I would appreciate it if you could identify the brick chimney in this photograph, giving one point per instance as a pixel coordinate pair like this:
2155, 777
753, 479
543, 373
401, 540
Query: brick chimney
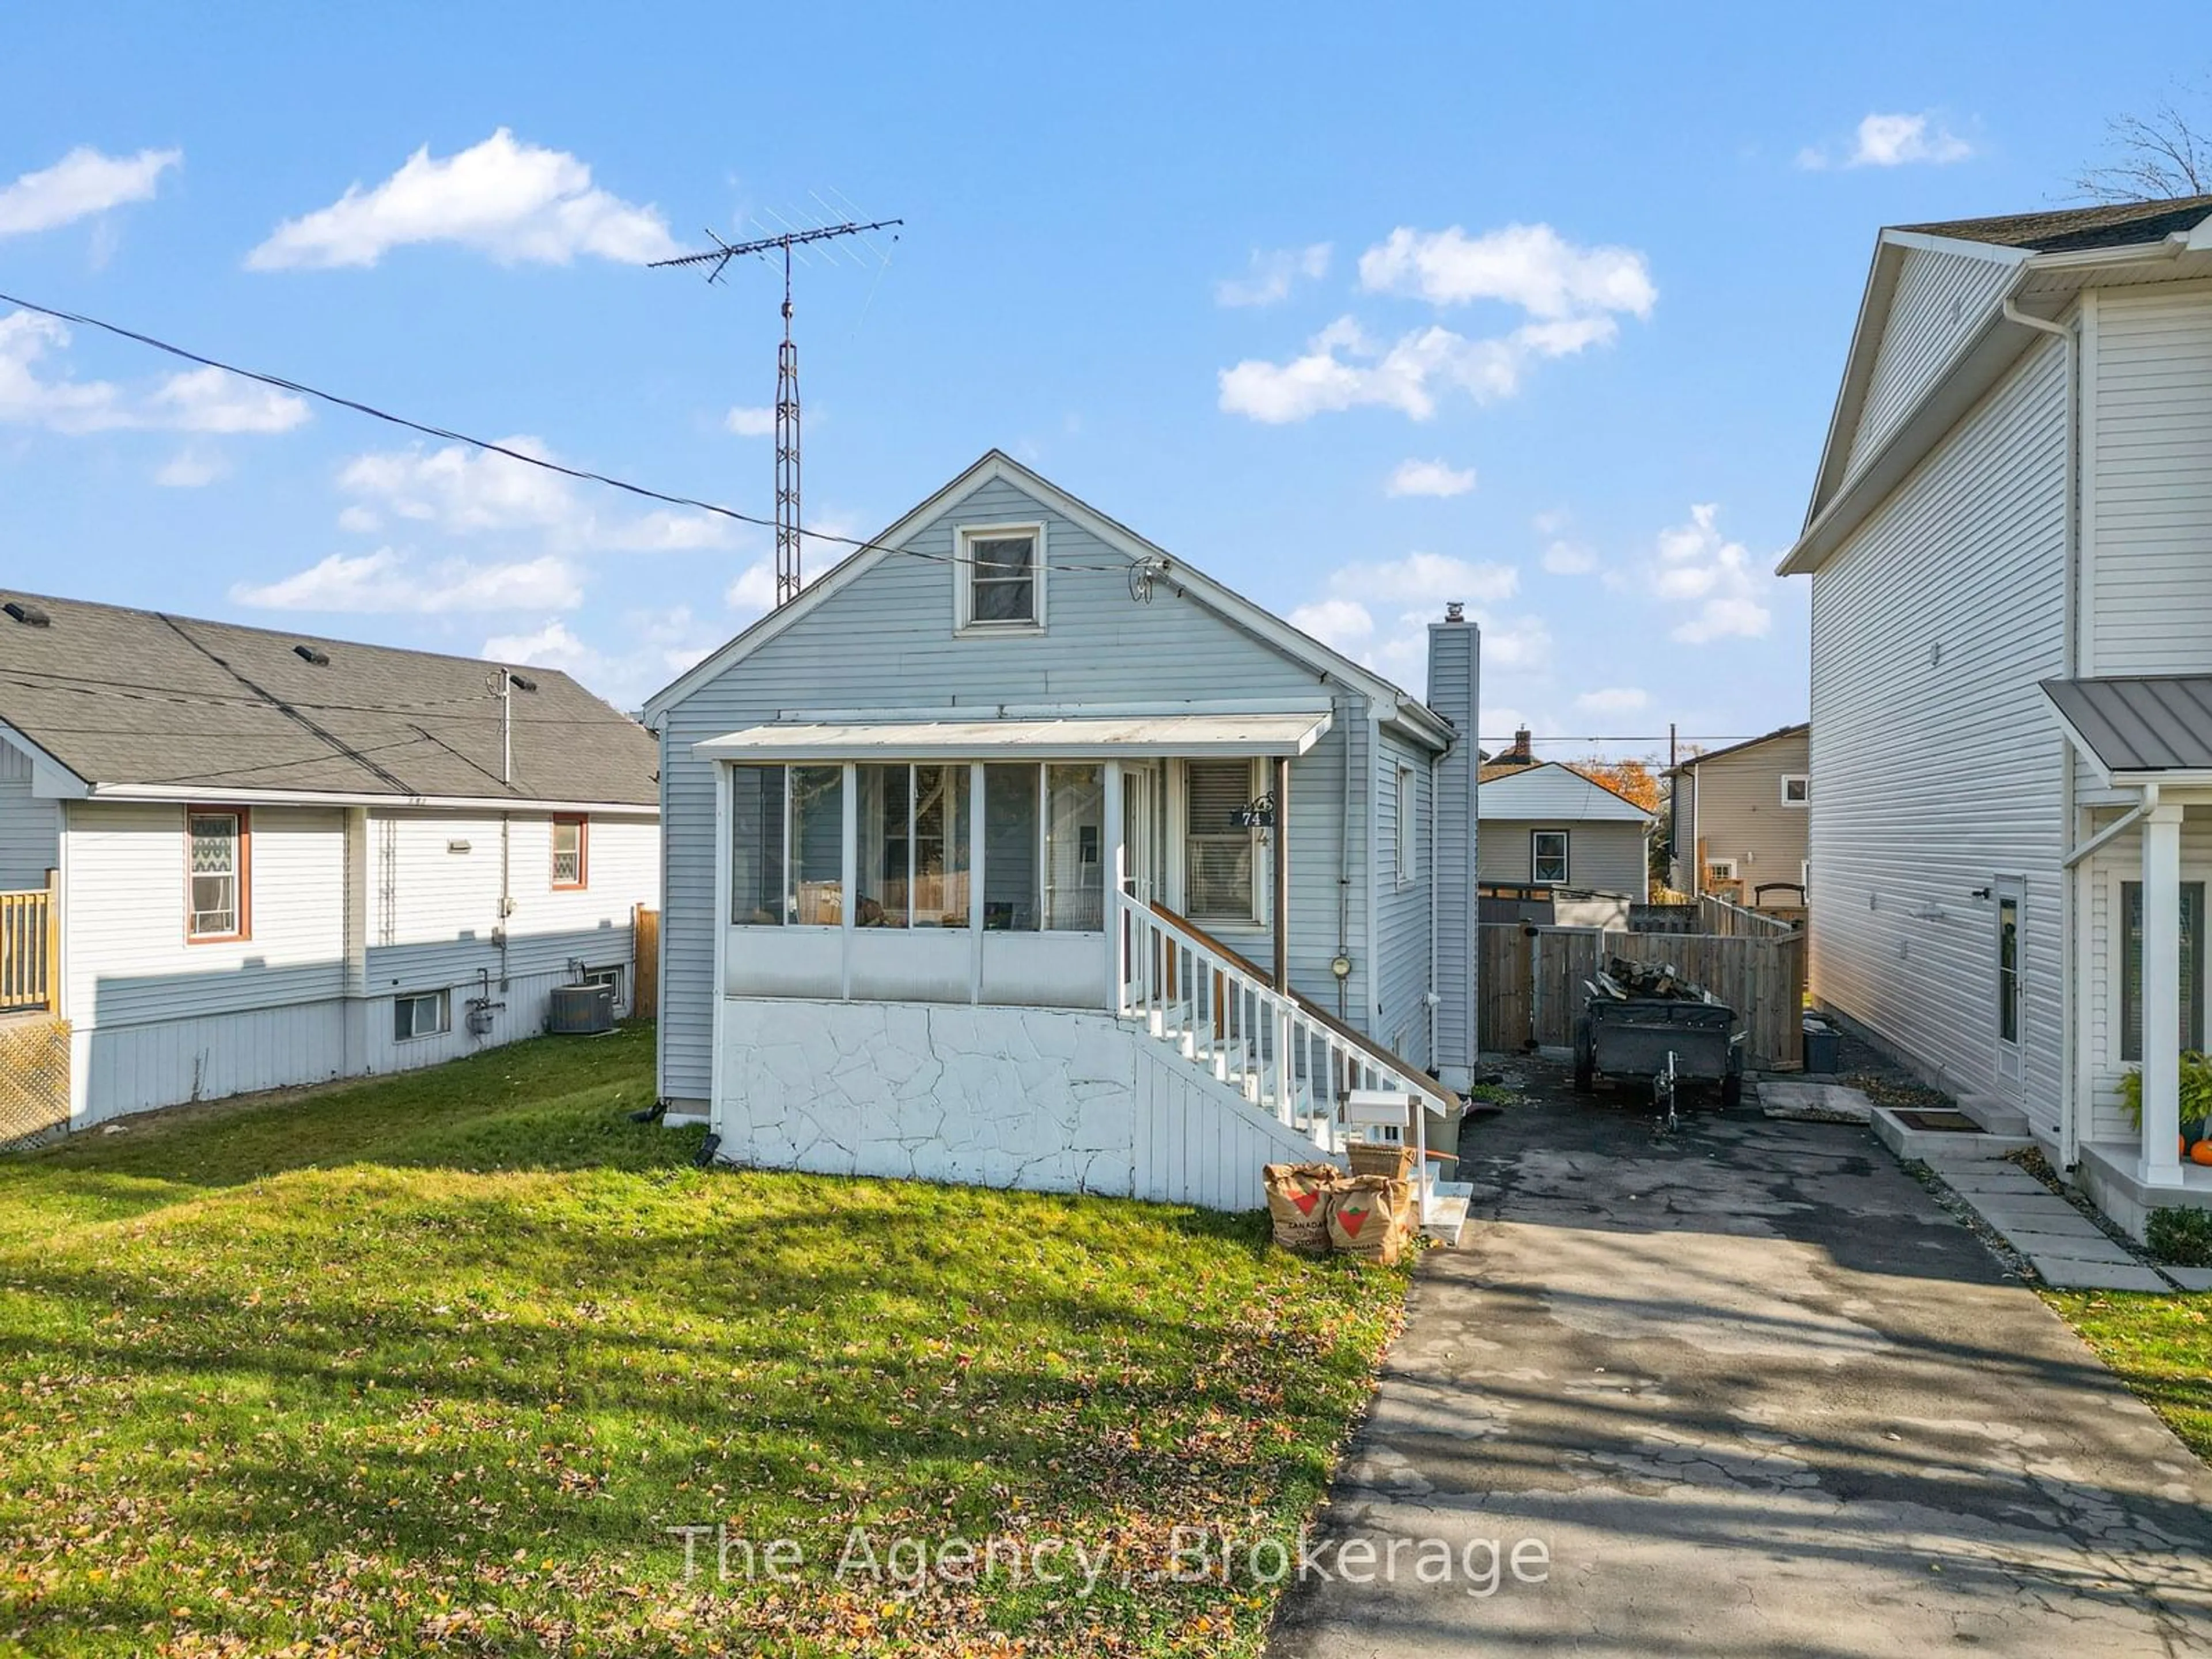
1519, 753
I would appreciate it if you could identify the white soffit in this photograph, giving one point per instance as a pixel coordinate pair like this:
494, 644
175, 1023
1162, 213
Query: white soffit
1094, 737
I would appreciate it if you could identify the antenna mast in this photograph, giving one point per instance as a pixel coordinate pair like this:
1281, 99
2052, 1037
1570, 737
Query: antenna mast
788, 576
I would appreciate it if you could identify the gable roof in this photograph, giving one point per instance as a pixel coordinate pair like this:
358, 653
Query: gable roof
1779, 731
1554, 792
2037, 261
2065, 230
996, 464
143, 704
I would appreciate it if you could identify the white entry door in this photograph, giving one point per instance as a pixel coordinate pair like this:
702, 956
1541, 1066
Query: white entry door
2009, 894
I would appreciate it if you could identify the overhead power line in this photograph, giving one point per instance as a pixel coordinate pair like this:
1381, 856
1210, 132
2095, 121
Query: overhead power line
446, 434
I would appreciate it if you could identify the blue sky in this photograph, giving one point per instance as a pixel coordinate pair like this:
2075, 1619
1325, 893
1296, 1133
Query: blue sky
1359, 309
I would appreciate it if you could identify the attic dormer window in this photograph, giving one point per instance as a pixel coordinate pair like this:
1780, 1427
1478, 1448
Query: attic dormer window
1001, 579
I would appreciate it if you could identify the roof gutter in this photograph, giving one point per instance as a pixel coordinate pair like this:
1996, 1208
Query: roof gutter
198, 793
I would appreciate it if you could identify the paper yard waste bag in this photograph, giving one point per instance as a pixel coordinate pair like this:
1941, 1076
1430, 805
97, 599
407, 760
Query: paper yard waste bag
1298, 1204
1370, 1217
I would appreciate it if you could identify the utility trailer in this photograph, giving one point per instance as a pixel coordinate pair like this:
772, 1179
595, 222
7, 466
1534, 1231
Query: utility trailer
1665, 1040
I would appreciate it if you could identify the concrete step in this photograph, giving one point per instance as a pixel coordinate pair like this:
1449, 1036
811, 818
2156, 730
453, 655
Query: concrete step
1942, 1145
1447, 1211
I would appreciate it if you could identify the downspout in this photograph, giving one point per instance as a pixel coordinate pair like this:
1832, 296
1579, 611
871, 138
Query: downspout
1344, 883
2070, 878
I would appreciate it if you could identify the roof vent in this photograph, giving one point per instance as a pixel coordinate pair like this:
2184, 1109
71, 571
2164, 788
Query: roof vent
308, 654
27, 614
519, 682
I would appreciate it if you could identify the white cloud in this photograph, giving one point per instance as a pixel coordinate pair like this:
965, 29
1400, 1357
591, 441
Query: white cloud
388, 581
754, 590
1613, 699
1891, 141
190, 469
211, 400
751, 421
1530, 266
26, 399
1273, 273
1343, 367
200, 400
513, 201
551, 646
1378, 613
82, 183
468, 492
1572, 299
1429, 479
1695, 564
1564, 558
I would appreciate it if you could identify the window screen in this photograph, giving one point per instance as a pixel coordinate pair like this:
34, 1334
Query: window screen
1218, 852
1002, 579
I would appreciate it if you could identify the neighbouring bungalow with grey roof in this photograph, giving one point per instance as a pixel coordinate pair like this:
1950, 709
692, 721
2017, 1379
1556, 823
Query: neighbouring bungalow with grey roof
2009, 545
1017, 851
234, 859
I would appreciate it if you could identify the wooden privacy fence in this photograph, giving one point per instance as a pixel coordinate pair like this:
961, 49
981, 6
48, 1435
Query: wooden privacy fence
28, 949
1532, 982
644, 969
1718, 916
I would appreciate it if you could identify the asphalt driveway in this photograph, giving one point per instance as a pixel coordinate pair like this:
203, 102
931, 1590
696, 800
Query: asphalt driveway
1746, 1389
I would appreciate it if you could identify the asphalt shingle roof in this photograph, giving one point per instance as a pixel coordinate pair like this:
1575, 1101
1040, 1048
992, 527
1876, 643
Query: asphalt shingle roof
2065, 230
2151, 724
124, 697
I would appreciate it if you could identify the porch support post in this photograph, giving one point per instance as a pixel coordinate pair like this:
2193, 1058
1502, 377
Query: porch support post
1282, 873
2162, 995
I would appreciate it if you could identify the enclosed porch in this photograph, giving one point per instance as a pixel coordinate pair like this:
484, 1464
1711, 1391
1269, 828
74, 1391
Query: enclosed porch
2141, 866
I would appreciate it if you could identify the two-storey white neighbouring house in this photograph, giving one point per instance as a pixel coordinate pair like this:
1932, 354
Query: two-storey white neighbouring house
234, 859
2010, 548
1016, 851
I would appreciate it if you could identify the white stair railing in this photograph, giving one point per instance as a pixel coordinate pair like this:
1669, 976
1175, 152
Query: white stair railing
1220, 1013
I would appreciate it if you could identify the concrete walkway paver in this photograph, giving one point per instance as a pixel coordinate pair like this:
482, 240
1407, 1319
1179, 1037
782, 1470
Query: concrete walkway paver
2069, 1250
1756, 1395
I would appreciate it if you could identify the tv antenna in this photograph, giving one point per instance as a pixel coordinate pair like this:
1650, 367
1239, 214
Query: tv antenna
788, 579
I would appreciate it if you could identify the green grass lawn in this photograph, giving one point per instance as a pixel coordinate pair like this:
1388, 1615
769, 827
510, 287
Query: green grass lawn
2160, 1345
431, 1361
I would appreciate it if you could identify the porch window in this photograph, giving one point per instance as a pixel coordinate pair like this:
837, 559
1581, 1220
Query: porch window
217, 858
914, 847
2192, 968
1002, 577
817, 846
1547, 858
1009, 849
1218, 859
1075, 865
787, 846
757, 814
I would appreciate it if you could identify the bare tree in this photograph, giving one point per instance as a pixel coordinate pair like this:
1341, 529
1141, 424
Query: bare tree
2164, 154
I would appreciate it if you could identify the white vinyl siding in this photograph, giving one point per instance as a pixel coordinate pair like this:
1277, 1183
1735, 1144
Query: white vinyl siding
2149, 501
1934, 770
1940, 299
894, 651
1403, 916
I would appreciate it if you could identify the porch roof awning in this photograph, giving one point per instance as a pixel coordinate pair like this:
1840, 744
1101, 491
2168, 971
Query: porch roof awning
2139, 728
1074, 737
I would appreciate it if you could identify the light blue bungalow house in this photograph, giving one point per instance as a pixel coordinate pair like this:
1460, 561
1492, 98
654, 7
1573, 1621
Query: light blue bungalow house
1016, 851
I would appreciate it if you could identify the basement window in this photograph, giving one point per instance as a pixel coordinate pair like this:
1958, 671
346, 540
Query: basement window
424, 1013
1001, 579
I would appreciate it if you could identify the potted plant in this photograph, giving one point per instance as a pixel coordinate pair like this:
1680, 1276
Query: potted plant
2196, 1104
